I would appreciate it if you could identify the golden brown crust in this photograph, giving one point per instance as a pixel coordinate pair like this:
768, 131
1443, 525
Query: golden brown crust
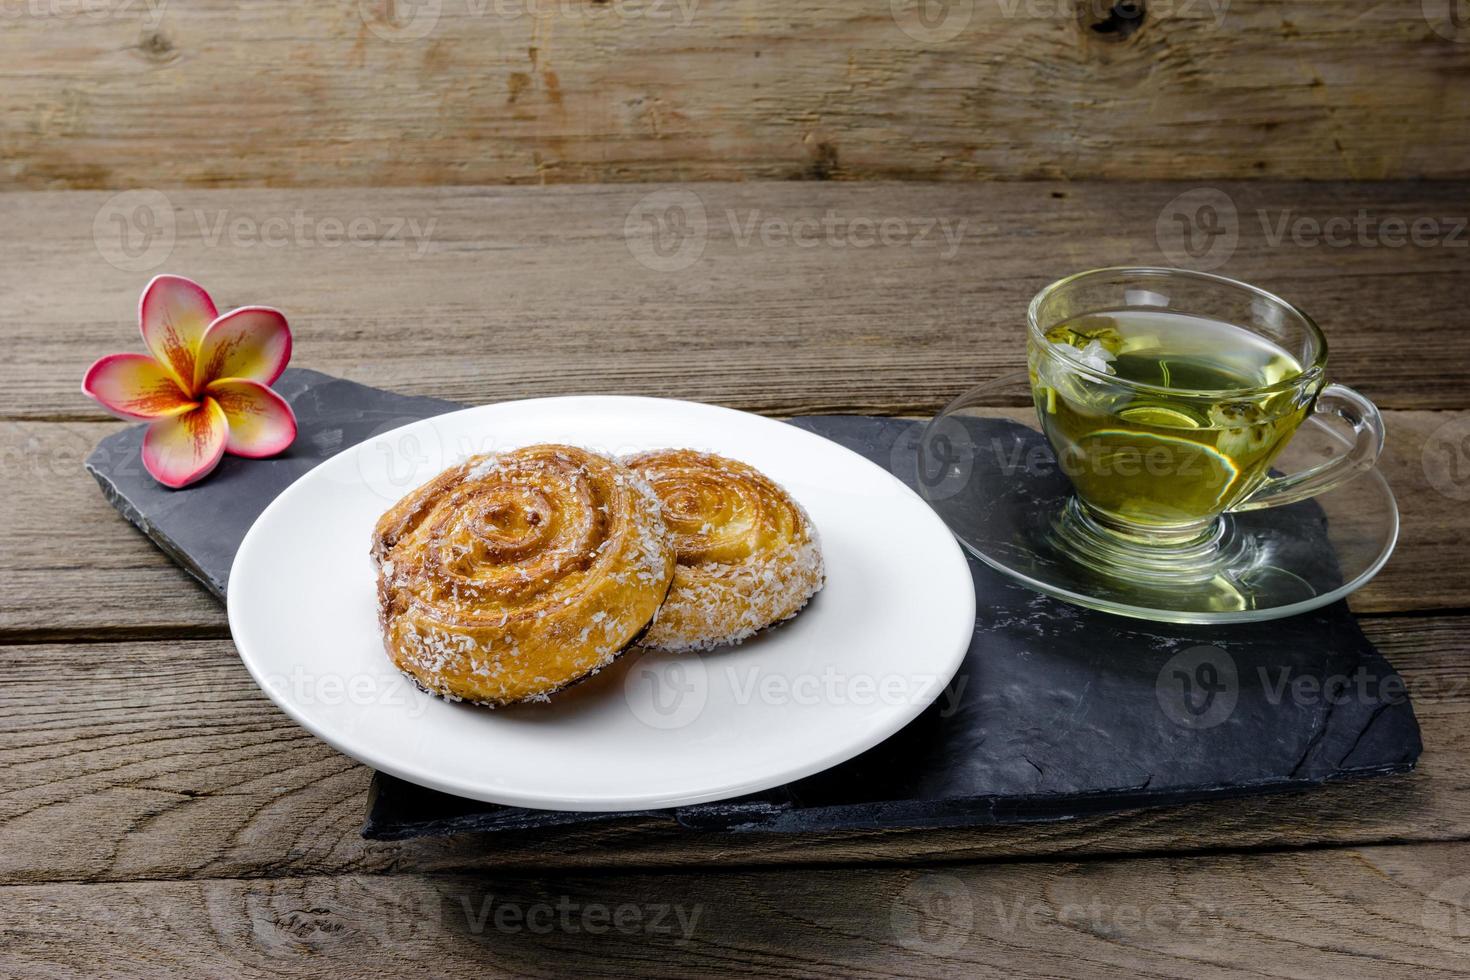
510, 576
748, 555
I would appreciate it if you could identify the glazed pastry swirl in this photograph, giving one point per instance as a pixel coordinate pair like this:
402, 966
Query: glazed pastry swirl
512, 575
748, 555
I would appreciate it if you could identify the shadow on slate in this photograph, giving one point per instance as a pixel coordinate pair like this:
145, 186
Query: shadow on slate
1056, 712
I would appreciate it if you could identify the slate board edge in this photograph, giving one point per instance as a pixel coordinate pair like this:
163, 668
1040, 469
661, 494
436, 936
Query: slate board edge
164, 543
979, 811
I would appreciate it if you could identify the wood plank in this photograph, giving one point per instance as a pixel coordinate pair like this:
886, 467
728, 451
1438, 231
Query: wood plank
74, 569
71, 565
1420, 462
488, 294
164, 95
1369, 912
162, 760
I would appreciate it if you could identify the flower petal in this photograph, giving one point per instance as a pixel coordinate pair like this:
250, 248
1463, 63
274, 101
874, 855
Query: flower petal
261, 423
184, 448
252, 342
134, 386
174, 313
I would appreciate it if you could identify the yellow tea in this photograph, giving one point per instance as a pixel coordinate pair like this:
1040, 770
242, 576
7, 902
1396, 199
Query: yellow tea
1194, 440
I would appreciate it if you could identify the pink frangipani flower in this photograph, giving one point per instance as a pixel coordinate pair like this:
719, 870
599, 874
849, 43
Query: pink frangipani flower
204, 383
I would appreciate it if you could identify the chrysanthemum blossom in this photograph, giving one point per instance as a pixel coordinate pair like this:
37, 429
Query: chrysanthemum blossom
204, 383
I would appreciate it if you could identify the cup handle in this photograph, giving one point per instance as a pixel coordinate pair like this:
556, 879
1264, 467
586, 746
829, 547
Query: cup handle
1356, 411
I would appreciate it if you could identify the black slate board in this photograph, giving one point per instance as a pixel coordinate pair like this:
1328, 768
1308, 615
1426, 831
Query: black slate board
1056, 712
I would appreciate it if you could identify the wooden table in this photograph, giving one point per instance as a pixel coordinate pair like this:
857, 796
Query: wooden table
159, 815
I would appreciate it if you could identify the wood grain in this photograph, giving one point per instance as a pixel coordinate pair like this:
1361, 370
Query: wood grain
163, 760
487, 294
372, 92
1363, 912
80, 571
160, 816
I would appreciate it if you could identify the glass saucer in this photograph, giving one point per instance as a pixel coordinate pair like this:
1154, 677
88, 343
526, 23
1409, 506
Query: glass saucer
985, 467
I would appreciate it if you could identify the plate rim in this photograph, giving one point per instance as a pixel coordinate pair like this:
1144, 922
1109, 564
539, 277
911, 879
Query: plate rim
894, 722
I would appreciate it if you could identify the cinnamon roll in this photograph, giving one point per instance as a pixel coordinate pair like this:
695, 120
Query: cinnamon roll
510, 576
748, 555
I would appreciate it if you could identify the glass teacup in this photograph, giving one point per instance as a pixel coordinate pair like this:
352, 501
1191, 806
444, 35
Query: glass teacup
1166, 394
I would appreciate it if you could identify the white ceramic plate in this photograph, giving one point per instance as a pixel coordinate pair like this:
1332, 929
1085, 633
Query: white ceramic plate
870, 652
